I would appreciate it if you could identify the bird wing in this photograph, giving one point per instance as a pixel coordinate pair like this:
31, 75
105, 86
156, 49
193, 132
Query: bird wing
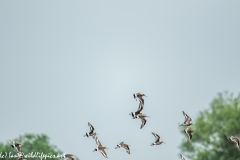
140, 108
181, 157
190, 135
187, 118
18, 148
234, 139
141, 100
157, 137
104, 153
98, 142
143, 122
127, 148
91, 128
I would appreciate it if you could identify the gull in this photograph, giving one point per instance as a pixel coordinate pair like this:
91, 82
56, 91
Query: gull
90, 133
100, 148
188, 131
182, 157
236, 140
157, 140
122, 144
140, 108
187, 121
68, 156
139, 96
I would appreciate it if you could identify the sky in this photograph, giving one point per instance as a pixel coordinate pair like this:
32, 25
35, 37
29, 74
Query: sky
66, 63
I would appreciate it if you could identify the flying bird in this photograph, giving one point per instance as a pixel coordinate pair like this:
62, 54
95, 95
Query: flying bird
68, 156
157, 140
187, 121
90, 133
236, 140
16, 145
20, 155
188, 131
140, 108
139, 96
182, 157
100, 148
122, 144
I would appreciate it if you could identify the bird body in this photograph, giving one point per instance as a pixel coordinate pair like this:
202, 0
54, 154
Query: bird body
188, 131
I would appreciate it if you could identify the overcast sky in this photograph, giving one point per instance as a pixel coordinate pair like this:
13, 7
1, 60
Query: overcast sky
66, 63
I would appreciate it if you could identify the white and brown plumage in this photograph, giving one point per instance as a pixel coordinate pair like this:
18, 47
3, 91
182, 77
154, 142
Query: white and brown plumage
100, 148
139, 96
188, 131
182, 157
236, 140
142, 117
157, 140
68, 156
122, 144
90, 133
20, 155
16, 145
140, 108
187, 121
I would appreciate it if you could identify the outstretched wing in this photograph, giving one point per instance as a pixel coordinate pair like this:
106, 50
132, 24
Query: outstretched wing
127, 148
104, 153
140, 108
141, 100
143, 122
236, 140
91, 128
157, 137
187, 118
181, 157
98, 142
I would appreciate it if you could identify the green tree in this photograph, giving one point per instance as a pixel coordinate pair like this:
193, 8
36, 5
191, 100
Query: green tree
212, 128
31, 143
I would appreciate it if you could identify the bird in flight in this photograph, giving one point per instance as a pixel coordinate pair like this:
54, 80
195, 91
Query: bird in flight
157, 140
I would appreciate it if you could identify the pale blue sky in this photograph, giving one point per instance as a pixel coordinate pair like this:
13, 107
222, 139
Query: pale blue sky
66, 63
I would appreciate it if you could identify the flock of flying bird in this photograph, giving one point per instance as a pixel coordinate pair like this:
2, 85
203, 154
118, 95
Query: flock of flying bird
187, 122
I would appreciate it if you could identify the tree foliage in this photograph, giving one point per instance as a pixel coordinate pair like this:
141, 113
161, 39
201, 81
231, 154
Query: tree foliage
212, 128
36, 143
